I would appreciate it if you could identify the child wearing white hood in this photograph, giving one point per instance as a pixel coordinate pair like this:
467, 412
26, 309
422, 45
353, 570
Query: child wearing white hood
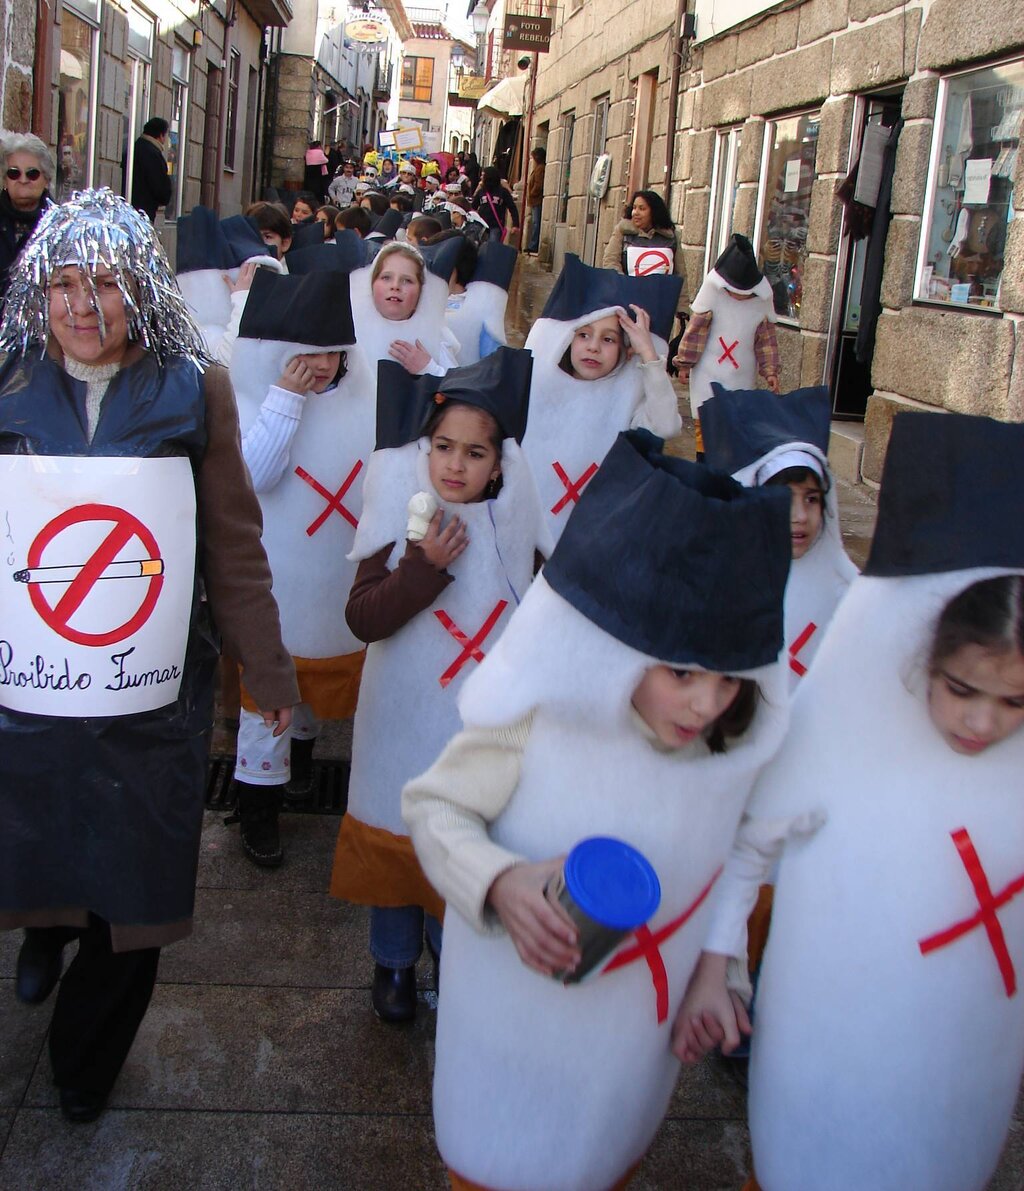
889, 1042
306, 409
447, 546
599, 349
635, 694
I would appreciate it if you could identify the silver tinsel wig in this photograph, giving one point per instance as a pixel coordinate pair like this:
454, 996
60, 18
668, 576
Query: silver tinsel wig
97, 228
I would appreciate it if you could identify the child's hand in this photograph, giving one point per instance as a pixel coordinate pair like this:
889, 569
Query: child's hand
282, 716
297, 377
413, 357
773, 383
443, 546
682, 370
638, 334
710, 1014
543, 933
244, 279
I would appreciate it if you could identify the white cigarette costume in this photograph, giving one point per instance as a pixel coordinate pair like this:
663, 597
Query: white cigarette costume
479, 314
540, 1087
889, 1041
729, 356
574, 422
375, 334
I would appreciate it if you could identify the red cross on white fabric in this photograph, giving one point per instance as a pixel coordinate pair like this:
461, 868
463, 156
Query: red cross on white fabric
572, 490
470, 646
727, 350
648, 948
988, 905
795, 665
334, 500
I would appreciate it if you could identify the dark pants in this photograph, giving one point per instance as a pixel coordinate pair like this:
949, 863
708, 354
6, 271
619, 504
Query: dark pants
101, 1001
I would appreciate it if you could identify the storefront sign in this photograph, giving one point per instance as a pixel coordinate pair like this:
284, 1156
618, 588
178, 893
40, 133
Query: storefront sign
366, 33
527, 33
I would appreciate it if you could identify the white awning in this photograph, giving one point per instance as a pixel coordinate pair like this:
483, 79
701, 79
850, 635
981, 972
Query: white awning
507, 98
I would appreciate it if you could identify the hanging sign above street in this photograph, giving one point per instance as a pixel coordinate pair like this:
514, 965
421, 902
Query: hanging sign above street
527, 33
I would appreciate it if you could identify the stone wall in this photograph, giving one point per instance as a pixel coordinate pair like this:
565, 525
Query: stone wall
17, 50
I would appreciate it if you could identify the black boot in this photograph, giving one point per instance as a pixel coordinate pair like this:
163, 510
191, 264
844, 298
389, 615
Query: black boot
257, 810
300, 784
394, 994
40, 962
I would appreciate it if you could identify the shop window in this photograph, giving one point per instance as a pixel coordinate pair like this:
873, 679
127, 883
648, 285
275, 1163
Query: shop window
75, 105
974, 156
787, 179
176, 136
723, 193
417, 79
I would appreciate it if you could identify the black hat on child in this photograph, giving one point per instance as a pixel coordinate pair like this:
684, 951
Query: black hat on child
496, 262
676, 561
343, 254
737, 266
313, 309
499, 384
581, 289
208, 242
947, 499
739, 426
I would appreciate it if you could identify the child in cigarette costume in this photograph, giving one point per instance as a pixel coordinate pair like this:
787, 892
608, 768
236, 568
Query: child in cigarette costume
428, 622
306, 439
666, 574
760, 438
105, 382
599, 368
889, 1042
730, 337
211, 255
476, 307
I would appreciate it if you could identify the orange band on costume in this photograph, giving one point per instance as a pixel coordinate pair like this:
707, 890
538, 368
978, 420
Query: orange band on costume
372, 867
330, 686
460, 1184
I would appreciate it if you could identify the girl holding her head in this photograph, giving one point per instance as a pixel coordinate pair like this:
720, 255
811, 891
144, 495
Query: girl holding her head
889, 1044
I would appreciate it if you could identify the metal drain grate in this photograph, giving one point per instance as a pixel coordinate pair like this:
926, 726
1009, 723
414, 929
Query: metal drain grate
329, 796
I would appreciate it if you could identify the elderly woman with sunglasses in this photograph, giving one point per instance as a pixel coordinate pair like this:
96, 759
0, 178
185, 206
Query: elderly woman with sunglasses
27, 169
119, 460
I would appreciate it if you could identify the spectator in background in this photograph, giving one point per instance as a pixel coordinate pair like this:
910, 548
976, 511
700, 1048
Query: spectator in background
28, 167
647, 224
151, 183
495, 205
342, 190
535, 197
316, 176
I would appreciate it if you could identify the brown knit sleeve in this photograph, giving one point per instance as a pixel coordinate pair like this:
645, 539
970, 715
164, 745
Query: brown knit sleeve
382, 601
234, 564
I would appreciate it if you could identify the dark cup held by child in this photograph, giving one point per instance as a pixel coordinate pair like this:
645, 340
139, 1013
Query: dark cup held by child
608, 889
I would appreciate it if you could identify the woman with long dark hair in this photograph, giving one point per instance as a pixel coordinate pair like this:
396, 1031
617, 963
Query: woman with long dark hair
647, 224
496, 205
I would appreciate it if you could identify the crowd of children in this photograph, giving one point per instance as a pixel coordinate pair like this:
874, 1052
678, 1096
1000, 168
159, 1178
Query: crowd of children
547, 628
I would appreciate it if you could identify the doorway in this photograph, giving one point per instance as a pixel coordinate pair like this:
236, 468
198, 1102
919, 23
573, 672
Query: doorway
598, 140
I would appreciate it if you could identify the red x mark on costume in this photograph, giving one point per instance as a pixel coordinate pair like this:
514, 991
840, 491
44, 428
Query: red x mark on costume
648, 948
796, 666
470, 647
572, 490
988, 905
727, 350
334, 500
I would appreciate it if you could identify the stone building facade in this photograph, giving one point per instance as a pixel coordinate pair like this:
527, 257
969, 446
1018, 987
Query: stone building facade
17, 54
772, 113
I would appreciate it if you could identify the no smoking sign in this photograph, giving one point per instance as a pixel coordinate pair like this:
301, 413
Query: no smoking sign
97, 584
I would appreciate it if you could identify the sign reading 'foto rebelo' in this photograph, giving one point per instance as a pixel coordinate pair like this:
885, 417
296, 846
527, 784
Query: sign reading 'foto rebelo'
97, 561
527, 33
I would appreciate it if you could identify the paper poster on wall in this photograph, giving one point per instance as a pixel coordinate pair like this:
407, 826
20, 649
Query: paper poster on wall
649, 261
977, 180
791, 179
96, 578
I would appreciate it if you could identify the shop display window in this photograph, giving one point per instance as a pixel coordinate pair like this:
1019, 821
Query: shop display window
723, 193
787, 180
974, 157
74, 105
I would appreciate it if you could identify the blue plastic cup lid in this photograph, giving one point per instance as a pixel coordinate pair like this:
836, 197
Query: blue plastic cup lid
612, 882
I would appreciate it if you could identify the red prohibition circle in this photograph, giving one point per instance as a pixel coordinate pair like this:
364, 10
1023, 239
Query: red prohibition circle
125, 527
661, 265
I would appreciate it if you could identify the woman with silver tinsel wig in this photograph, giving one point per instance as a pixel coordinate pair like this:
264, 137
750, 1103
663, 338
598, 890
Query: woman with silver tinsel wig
119, 461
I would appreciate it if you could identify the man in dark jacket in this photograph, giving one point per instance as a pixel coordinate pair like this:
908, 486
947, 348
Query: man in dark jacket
151, 183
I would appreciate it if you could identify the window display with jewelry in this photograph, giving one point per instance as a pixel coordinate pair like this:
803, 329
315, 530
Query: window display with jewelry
974, 159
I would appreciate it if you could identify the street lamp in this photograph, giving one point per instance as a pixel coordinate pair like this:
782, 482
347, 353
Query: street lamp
480, 15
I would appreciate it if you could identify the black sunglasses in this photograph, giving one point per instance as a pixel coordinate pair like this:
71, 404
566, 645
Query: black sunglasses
14, 173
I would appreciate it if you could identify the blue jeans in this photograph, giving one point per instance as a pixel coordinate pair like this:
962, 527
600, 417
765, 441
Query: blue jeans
534, 230
396, 935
